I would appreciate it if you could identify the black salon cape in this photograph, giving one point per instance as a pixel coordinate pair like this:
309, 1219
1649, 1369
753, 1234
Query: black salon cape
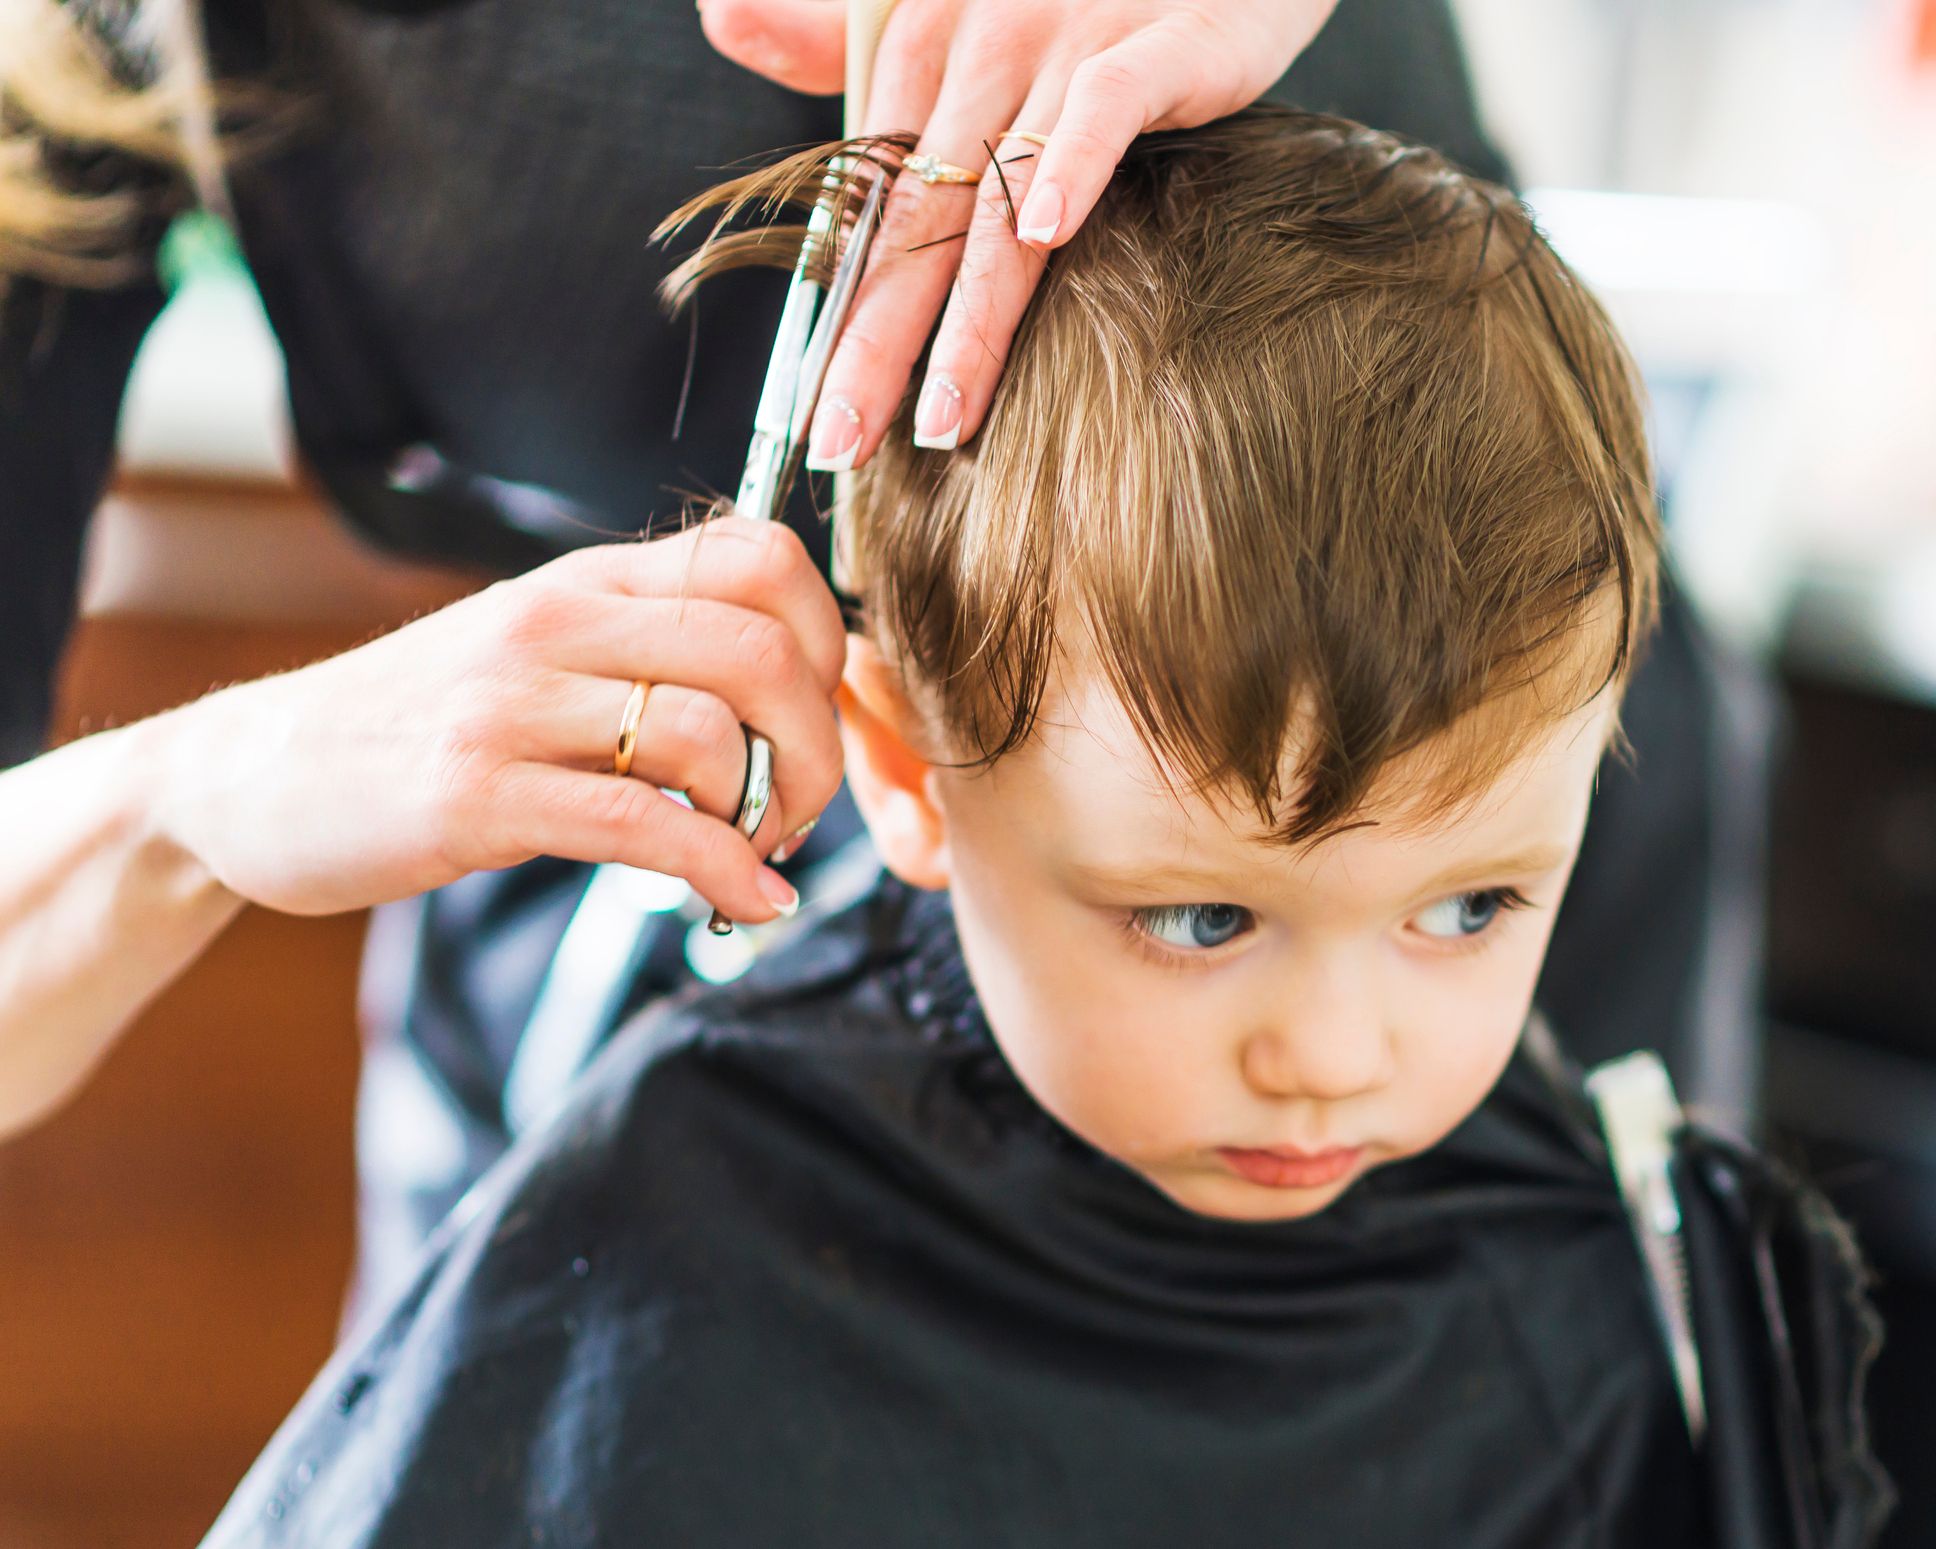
803, 1264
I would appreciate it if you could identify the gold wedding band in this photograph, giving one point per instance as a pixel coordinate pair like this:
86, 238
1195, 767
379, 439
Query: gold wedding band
1023, 134
932, 169
628, 727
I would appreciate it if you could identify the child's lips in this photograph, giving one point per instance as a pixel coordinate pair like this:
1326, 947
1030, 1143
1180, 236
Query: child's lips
1280, 1167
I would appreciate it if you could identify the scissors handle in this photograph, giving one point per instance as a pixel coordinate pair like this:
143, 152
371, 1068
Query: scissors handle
803, 343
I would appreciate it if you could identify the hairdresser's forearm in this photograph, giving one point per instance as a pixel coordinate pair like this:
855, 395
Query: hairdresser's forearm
99, 909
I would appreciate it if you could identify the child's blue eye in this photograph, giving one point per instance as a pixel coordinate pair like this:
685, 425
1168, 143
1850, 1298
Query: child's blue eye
1467, 914
1194, 927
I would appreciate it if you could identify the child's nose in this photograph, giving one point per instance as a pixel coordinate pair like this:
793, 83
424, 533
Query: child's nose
1328, 1048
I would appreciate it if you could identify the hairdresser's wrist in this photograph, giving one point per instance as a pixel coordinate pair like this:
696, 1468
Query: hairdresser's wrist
179, 756
264, 790
100, 907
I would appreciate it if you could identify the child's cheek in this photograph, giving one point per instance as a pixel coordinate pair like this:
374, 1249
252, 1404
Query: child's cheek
1453, 1051
1085, 1068
1098, 1065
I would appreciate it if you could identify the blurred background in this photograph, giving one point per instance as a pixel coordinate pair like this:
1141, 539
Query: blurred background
1749, 183
1752, 186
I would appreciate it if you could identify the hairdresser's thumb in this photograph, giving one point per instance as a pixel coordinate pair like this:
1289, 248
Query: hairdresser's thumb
799, 43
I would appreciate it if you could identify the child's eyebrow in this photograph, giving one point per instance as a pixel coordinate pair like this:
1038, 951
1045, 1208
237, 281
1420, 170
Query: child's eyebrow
1521, 863
1103, 875
1465, 874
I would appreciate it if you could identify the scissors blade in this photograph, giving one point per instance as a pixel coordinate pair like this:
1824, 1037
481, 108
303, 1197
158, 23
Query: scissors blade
766, 455
833, 316
802, 349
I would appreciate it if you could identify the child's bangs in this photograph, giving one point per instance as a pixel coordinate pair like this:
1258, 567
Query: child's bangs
1106, 544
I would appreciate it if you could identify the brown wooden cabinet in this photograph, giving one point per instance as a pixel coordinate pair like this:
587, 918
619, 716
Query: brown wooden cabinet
175, 1243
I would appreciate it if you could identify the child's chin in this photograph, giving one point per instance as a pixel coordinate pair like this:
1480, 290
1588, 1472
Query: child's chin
1226, 1197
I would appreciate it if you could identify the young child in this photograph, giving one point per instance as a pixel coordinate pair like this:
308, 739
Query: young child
1163, 1154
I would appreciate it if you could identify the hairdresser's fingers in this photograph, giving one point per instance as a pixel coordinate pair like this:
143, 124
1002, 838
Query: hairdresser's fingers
1191, 65
731, 559
910, 268
997, 277
1113, 97
538, 809
687, 740
909, 63
748, 659
802, 44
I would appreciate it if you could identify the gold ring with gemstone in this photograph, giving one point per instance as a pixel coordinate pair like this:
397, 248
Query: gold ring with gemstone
628, 727
932, 169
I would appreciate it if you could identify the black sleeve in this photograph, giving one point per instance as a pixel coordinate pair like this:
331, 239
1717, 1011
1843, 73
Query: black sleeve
64, 359
1397, 65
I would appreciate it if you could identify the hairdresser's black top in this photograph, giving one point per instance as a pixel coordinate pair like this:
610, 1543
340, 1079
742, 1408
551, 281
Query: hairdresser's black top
450, 239
804, 1264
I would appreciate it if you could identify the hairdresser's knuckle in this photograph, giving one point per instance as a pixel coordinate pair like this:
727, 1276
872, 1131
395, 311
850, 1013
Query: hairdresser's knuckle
1222, 66
978, 297
1089, 140
905, 220
724, 521
492, 611
917, 34
763, 648
991, 204
701, 727
575, 567
531, 618
868, 336
771, 560
818, 774
659, 549
467, 746
623, 809
987, 51
463, 811
490, 824
1104, 74
1102, 86
693, 850
609, 566
826, 639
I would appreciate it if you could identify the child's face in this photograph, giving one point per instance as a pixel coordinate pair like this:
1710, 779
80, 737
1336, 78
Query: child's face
1189, 996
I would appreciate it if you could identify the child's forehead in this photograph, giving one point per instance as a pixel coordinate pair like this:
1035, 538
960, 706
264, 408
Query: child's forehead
1090, 787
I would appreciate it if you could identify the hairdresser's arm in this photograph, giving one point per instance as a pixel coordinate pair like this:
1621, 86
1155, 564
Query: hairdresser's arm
474, 738
1090, 75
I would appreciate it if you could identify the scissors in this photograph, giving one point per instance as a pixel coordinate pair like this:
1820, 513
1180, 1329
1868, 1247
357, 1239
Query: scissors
810, 325
584, 988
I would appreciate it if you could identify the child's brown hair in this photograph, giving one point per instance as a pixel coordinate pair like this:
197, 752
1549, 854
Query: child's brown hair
1308, 440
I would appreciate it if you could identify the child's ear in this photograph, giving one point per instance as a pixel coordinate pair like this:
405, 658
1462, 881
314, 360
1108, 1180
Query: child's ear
893, 784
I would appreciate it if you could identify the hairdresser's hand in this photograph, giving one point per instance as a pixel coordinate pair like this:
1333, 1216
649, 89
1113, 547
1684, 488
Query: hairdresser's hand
483, 734
1090, 75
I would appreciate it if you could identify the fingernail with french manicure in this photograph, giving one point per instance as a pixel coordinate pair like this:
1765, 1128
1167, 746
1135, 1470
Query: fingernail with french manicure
779, 893
790, 846
1041, 215
835, 438
937, 418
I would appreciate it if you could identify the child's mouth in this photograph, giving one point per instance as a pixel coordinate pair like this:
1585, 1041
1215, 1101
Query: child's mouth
1290, 1169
